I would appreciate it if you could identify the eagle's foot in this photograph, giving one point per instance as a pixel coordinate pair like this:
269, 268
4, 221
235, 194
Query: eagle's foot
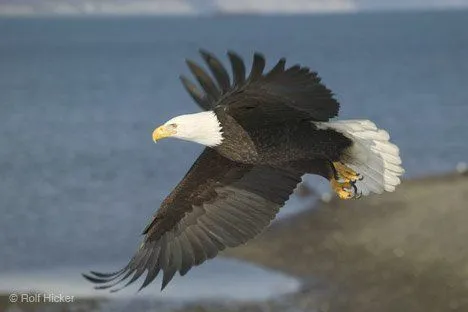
345, 190
346, 173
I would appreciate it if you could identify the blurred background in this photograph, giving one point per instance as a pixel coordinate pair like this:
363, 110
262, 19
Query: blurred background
84, 82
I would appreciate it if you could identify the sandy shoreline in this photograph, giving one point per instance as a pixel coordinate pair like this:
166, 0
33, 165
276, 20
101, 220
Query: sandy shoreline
402, 251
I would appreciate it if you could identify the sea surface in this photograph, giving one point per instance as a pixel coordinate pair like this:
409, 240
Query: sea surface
79, 97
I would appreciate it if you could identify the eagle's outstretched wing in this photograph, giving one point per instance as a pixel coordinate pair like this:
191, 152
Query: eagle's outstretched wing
278, 95
221, 203
218, 204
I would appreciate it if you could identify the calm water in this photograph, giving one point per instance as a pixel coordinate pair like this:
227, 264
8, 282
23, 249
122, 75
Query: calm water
79, 98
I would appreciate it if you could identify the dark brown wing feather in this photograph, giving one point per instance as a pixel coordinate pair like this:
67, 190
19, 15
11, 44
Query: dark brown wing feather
198, 96
218, 204
238, 68
279, 95
218, 70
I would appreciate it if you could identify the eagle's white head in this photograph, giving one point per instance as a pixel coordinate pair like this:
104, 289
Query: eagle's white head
203, 128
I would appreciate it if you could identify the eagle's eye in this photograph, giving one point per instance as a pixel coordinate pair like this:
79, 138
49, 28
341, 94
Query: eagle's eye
172, 125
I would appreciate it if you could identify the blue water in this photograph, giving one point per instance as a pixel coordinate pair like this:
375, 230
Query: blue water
79, 174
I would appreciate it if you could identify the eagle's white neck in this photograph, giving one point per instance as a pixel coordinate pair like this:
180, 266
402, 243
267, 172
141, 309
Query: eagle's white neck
203, 128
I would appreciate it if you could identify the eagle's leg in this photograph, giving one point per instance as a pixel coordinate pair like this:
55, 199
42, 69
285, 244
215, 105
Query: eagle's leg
346, 173
343, 181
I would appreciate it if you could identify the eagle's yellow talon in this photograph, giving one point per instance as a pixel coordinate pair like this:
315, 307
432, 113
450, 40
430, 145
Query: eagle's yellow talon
344, 190
343, 194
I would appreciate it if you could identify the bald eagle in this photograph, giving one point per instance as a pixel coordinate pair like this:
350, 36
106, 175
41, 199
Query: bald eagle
262, 133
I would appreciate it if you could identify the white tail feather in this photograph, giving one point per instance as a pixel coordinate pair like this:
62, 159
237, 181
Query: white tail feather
372, 155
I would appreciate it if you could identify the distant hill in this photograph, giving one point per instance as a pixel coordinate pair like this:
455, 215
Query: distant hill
208, 7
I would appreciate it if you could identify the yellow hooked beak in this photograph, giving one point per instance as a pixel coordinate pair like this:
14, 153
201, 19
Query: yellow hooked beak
163, 132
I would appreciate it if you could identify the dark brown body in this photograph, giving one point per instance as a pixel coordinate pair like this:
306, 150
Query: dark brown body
278, 144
